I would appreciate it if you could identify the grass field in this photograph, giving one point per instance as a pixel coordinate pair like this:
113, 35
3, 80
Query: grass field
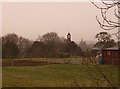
58, 75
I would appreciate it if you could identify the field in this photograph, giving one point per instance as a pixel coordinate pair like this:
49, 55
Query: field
58, 75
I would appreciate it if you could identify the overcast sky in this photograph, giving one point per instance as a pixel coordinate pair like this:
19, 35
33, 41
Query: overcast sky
30, 19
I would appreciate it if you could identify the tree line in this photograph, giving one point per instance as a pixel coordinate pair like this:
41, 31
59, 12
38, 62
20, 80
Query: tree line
50, 45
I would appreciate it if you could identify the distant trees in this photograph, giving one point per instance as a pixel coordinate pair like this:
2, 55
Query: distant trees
11, 38
52, 42
37, 49
49, 45
104, 40
23, 45
52, 46
10, 50
14, 46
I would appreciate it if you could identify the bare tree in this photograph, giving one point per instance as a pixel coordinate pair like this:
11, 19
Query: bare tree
23, 45
12, 37
108, 23
52, 42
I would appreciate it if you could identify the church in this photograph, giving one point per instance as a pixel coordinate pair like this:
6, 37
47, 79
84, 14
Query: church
71, 47
69, 37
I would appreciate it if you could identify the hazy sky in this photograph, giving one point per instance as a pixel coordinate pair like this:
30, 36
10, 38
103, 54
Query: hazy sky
30, 19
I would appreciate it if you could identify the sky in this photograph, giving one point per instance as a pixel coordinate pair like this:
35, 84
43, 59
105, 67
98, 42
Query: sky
31, 19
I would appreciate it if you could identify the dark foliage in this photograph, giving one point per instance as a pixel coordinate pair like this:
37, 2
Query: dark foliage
104, 40
10, 50
49, 46
38, 49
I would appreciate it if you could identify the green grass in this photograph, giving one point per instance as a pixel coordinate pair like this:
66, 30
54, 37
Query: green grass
62, 75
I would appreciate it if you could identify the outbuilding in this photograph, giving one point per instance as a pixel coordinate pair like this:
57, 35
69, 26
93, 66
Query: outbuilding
111, 55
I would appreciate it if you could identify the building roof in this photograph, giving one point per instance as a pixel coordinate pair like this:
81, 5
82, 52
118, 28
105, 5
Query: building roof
112, 48
95, 48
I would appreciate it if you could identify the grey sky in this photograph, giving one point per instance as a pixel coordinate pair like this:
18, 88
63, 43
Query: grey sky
37, 18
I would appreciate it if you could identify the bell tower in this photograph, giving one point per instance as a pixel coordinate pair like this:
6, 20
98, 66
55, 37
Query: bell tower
69, 37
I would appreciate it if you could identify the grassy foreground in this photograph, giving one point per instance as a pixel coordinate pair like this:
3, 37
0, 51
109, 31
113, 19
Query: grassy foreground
61, 75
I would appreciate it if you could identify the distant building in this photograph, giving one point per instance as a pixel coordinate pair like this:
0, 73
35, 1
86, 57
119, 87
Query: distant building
71, 48
83, 45
69, 37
